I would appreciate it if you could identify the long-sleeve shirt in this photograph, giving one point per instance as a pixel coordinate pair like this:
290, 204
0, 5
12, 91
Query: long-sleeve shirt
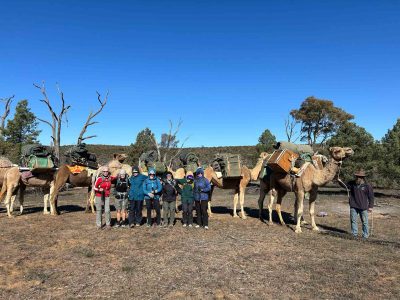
361, 195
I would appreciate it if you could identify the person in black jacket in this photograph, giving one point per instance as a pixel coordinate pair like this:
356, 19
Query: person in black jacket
169, 193
361, 201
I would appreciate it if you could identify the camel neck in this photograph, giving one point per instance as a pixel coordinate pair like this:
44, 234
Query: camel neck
325, 175
255, 172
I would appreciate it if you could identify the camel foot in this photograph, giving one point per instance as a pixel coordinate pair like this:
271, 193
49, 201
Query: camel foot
46, 212
87, 211
283, 223
298, 230
243, 216
235, 216
270, 223
304, 222
316, 228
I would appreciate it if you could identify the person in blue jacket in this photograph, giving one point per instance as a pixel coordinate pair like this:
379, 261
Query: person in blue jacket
136, 197
201, 190
152, 189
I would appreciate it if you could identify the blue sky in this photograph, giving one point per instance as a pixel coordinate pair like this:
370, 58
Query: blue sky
228, 69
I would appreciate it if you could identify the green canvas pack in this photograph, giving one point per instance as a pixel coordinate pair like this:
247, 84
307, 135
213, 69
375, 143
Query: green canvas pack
39, 162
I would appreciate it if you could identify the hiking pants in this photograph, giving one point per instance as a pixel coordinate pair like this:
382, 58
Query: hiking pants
99, 203
153, 204
201, 212
354, 212
135, 211
169, 212
187, 213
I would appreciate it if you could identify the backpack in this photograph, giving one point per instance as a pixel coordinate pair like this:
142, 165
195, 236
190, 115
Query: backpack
121, 186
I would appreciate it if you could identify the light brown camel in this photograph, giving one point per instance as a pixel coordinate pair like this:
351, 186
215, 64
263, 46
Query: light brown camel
237, 184
308, 182
84, 179
12, 182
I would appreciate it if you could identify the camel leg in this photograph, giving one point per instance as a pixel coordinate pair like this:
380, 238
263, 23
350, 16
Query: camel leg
21, 198
8, 200
270, 204
313, 197
235, 202
281, 194
241, 199
261, 198
300, 199
209, 201
59, 182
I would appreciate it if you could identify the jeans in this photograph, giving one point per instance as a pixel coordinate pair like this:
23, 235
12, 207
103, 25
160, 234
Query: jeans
135, 211
150, 204
201, 212
98, 202
187, 213
354, 212
169, 212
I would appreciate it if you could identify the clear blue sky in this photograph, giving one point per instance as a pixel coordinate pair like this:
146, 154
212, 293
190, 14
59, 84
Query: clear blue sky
229, 69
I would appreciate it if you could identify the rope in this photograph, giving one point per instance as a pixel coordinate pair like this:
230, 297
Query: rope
340, 181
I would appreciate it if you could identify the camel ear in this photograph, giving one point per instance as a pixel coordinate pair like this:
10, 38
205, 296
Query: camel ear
115, 155
330, 149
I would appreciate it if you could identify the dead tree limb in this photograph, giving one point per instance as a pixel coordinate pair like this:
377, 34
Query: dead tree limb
290, 129
56, 119
7, 105
91, 116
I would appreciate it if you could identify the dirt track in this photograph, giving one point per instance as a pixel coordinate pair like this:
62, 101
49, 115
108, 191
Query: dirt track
66, 257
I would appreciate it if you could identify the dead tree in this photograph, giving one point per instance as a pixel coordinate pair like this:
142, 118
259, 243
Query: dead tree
90, 118
7, 105
290, 129
56, 119
168, 143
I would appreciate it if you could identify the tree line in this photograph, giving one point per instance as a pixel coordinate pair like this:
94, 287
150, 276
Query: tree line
317, 122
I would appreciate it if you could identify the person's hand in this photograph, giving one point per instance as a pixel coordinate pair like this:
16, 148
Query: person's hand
369, 209
101, 189
151, 195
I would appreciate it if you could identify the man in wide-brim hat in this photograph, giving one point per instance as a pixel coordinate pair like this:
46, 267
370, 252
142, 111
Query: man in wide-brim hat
361, 202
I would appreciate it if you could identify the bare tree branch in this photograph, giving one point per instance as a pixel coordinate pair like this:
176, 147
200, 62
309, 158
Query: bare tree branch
7, 105
290, 129
91, 116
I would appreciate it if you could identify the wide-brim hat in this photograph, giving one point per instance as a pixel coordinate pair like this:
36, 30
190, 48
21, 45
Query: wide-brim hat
360, 173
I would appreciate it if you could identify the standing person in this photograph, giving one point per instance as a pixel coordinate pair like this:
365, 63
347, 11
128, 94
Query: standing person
102, 189
361, 202
151, 189
121, 197
169, 192
136, 197
201, 189
187, 199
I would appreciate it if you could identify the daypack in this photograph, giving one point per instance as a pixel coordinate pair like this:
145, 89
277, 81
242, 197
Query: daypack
122, 185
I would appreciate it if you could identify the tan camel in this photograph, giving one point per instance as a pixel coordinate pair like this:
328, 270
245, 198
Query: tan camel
237, 184
12, 182
308, 182
85, 179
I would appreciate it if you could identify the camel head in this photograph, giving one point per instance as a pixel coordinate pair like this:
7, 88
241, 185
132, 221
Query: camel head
120, 157
340, 153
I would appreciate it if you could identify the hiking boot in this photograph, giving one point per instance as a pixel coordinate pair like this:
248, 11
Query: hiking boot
148, 225
190, 225
117, 225
197, 226
123, 225
206, 227
171, 225
137, 225
131, 225
184, 225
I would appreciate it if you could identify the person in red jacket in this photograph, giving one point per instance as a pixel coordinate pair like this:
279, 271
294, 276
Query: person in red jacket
102, 188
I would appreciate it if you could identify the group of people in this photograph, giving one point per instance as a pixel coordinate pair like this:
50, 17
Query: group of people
132, 192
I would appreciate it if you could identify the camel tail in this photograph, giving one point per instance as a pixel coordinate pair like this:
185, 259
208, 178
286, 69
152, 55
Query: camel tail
3, 188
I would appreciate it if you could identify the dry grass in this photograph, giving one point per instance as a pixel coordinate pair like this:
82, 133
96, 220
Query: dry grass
66, 257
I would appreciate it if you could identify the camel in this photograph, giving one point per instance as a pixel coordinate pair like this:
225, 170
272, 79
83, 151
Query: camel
238, 184
308, 182
85, 179
5, 165
13, 181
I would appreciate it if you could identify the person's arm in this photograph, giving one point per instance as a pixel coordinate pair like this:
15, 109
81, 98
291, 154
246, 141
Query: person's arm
145, 190
370, 198
97, 184
159, 186
207, 187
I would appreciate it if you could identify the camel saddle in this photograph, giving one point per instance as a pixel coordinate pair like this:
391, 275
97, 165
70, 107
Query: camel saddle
76, 169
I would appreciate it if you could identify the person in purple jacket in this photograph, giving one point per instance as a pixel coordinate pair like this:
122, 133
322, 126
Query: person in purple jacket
361, 201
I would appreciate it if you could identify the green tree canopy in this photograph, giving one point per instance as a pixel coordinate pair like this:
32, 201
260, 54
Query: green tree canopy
266, 141
144, 142
319, 119
364, 146
390, 164
22, 129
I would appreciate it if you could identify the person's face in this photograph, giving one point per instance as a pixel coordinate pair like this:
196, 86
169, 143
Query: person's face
200, 175
151, 176
169, 176
105, 172
135, 174
359, 179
